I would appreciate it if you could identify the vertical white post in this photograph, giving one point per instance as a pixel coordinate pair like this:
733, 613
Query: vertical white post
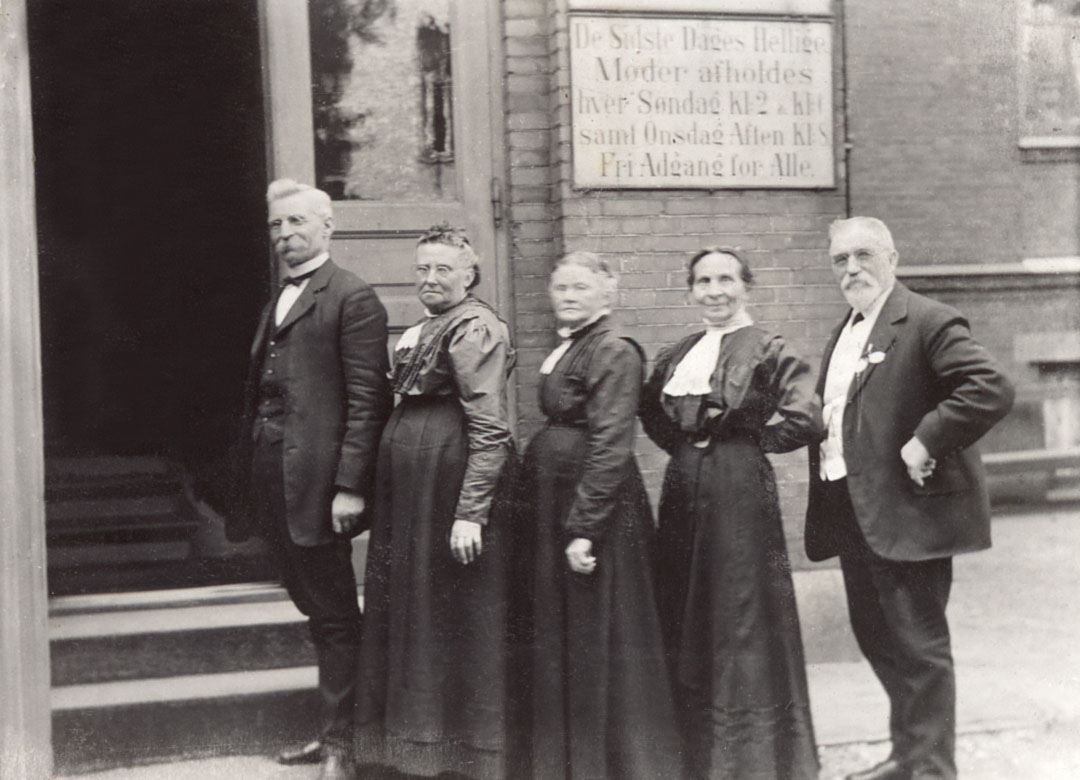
25, 750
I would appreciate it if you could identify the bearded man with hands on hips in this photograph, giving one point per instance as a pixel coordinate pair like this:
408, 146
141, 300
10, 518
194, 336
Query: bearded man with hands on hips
897, 487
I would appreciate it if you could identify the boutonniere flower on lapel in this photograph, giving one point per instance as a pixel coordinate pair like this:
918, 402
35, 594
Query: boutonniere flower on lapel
871, 357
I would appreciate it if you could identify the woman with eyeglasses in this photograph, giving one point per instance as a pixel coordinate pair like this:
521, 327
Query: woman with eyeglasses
432, 692
725, 588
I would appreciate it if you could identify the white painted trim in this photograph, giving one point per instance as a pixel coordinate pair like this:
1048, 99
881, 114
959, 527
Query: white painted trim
1027, 266
503, 281
1067, 264
714, 7
25, 723
1050, 142
287, 89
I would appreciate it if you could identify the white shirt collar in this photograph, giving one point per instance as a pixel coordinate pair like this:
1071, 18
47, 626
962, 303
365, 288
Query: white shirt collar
308, 265
693, 374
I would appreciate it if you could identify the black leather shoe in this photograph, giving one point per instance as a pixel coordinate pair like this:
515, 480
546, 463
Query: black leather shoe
889, 769
311, 753
337, 766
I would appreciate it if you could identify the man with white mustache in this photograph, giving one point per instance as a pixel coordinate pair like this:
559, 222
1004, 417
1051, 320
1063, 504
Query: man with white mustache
316, 400
897, 487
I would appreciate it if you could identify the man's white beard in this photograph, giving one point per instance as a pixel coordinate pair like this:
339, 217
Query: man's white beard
861, 296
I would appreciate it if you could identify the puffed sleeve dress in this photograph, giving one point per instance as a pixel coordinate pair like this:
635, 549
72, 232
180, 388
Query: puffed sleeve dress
601, 699
432, 694
725, 588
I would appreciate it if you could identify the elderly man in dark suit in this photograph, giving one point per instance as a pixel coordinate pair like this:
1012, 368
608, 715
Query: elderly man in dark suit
897, 488
317, 398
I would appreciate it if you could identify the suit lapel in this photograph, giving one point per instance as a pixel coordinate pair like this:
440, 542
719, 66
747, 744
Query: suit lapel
306, 301
883, 335
827, 354
263, 329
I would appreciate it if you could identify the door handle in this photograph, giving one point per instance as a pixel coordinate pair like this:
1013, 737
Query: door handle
496, 200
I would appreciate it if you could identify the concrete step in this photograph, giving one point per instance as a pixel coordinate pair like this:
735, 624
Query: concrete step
92, 467
153, 676
62, 488
153, 573
116, 522
96, 516
168, 641
109, 477
137, 722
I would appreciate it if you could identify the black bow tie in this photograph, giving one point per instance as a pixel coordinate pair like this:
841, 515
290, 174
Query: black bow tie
296, 279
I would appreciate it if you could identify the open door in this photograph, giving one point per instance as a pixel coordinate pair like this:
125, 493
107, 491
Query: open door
392, 107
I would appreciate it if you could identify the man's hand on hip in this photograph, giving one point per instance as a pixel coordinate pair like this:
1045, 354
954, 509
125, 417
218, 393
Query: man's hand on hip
918, 461
346, 510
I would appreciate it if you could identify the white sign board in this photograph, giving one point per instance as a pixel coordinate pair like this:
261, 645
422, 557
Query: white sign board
701, 103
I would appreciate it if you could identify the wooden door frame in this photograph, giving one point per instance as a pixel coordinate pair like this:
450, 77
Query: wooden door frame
287, 88
25, 716
285, 41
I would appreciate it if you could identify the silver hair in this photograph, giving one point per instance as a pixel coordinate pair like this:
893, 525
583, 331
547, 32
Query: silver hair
590, 260
320, 202
594, 263
872, 224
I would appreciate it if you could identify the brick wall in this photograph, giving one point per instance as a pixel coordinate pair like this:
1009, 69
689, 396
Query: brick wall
531, 208
934, 118
932, 113
999, 310
648, 236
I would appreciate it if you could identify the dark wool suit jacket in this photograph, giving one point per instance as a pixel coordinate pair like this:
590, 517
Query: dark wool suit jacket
938, 384
333, 363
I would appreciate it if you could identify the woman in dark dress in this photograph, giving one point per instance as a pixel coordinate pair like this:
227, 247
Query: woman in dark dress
725, 588
432, 691
601, 700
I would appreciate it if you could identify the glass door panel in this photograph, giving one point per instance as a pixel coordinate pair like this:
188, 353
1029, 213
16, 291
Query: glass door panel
388, 106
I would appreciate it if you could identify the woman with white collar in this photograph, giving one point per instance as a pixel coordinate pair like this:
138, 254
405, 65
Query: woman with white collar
601, 699
725, 589
431, 696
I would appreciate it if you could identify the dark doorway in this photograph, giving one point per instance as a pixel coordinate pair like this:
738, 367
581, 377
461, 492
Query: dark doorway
150, 162
148, 135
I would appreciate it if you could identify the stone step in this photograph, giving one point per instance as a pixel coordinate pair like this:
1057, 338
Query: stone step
167, 641
113, 487
83, 518
117, 554
149, 575
106, 725
95, 467
175, 598
117, 522
97, 477
152, 676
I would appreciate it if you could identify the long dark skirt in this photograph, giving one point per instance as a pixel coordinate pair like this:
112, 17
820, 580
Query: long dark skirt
730, 622
432, 693
601, 700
